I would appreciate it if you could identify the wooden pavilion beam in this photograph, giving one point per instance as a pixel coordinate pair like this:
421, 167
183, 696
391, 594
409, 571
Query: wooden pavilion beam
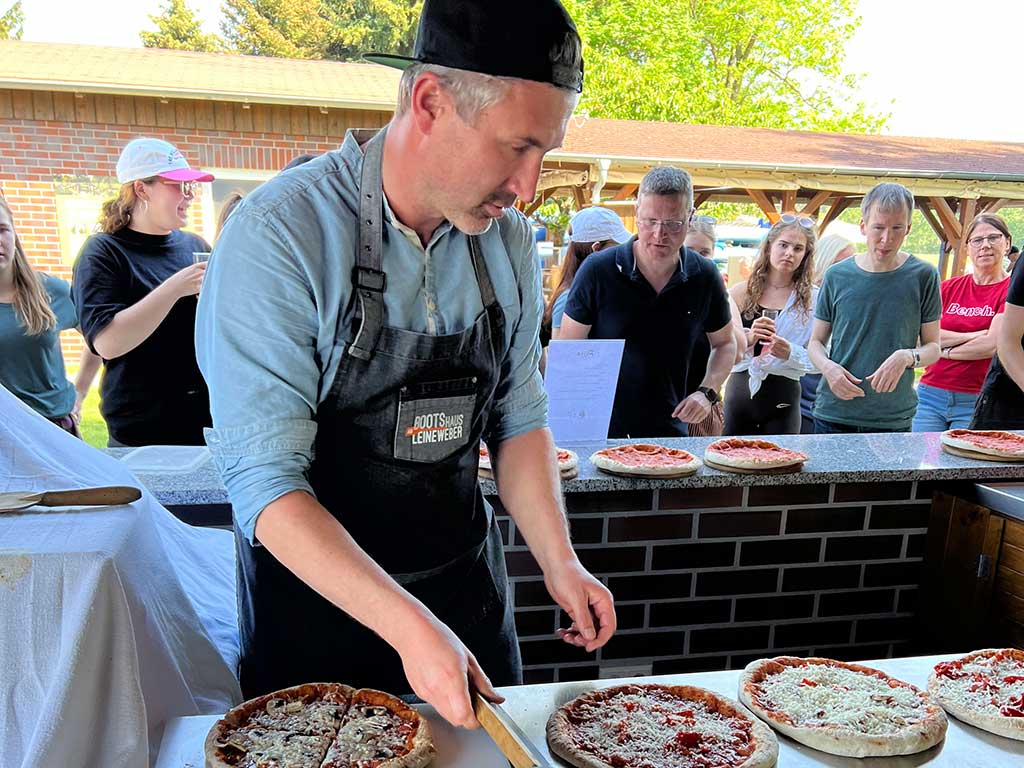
789, 201
968, 206
764, 203
992, 206
815, 203
626, 192
700, 198
839, 205
539, 201
581, 198
948, 219
929, 216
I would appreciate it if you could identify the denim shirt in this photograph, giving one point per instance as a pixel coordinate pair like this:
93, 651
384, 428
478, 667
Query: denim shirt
275, 316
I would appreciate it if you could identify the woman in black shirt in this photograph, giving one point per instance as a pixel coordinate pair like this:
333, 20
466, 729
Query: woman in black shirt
135, 285
1001, 403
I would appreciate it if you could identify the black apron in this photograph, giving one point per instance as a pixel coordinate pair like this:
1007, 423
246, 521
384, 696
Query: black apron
395, 461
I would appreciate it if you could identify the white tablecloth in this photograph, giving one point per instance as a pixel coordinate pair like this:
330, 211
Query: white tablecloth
112, 619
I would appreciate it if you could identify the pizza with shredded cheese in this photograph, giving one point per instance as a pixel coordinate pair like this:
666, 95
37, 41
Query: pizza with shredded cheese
842, 708
659, 726
742, 453
984, 689
991, 442
645, 460
321, 725
568, 463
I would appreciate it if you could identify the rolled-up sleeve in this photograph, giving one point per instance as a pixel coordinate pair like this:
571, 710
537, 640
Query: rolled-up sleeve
256, 332
521, 403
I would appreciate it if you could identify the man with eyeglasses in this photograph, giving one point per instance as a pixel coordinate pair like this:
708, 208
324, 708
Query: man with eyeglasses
661, 298
881, 310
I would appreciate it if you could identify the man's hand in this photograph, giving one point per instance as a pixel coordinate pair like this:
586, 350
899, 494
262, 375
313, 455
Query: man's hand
441, 670
888, 375
587, 601
780, 348
842, 383
693, 410
187, 281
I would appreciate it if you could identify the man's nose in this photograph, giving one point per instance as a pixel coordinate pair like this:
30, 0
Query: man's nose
524, 179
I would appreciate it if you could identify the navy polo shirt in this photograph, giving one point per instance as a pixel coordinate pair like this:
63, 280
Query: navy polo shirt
611, 295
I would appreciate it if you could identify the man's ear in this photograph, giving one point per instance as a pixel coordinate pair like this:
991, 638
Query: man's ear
429, 101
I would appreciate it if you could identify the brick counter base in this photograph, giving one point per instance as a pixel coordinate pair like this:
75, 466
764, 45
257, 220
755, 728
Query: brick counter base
710, 578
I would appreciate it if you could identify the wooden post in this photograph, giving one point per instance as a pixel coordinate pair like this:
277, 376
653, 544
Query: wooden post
764, 203
789, 201
967, 209
839, 205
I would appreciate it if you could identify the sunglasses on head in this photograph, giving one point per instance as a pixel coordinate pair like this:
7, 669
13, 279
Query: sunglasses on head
804, 221
700, 219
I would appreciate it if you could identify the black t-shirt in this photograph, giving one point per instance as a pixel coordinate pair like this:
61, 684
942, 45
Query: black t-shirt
998, 383
154, 394
661, 332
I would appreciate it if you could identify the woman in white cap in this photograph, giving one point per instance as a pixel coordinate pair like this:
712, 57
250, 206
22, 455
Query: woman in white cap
134, 287
590, 230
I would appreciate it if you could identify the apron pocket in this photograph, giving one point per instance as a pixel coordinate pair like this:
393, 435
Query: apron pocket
434, 419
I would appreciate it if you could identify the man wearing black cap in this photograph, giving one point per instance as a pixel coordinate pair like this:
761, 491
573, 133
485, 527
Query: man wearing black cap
397, 304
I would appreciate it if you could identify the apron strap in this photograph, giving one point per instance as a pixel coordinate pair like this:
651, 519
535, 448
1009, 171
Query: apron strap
368, 279
483, 276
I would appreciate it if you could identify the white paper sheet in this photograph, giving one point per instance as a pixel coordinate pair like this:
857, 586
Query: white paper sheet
581, 379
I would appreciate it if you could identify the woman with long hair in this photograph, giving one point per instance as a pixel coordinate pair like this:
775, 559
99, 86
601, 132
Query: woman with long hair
831, 249
34, 308
135, 286
972, 314
590, 230
762, 396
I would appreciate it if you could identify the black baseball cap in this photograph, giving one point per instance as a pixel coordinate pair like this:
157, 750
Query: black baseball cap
537, 41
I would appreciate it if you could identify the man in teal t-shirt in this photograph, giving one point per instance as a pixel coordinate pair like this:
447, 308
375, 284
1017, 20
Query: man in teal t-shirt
881, 310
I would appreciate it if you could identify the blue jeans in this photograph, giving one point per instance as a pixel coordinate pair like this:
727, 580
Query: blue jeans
822, 427
942, 409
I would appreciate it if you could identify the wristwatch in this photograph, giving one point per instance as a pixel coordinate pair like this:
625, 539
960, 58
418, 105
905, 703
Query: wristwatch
917, 357
709, 393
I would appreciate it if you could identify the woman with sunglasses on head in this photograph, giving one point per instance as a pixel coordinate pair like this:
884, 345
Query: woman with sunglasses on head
762, 396
34, 309
134, 287
972, 313
701, 237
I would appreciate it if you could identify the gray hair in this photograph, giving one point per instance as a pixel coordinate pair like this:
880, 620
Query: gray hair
701, 225
825, 253
667, 180
889, 197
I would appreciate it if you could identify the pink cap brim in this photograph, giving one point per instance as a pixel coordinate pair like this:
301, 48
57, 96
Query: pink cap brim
187, 174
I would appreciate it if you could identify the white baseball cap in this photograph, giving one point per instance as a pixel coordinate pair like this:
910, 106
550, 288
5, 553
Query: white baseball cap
145, 157
597, 224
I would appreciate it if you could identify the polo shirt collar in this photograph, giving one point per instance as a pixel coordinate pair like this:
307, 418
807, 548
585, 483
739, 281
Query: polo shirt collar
625, 262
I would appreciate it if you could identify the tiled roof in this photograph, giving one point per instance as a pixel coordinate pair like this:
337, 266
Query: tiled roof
708, 146
184, 74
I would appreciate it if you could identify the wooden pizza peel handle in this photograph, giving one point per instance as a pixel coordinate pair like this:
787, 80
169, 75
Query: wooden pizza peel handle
90, 497
519, 752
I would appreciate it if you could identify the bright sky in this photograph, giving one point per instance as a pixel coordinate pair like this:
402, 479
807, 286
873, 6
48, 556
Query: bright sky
921, 58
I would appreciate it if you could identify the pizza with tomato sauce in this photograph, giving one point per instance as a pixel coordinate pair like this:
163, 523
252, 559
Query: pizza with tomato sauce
659, 726
321, 725
984, 689
645, 460
990, 442
568, 463
751, 455
842, 708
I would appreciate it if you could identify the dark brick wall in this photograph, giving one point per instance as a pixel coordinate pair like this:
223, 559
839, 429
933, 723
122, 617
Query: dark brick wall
712, 578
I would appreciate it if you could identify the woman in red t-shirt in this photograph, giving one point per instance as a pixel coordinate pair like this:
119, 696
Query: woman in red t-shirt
972, 310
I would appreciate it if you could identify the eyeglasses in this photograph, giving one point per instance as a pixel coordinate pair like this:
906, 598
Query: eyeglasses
703, 219
185, 188
975, 242
803, 221
669, 225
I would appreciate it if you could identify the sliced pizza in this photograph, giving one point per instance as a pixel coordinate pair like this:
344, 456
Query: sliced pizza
568, 463
842, 708
989, 443
320, 725
668, 726
746, 455
645, 460
984, 689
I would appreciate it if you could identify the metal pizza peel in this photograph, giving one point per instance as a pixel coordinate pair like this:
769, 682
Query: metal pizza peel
80, 497
509, 737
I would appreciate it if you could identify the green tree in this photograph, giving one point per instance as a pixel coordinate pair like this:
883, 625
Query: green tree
320, 29
179, 29
12, 23
758, 63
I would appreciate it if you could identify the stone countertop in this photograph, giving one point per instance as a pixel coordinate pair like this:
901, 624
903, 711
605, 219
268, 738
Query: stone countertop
869, 458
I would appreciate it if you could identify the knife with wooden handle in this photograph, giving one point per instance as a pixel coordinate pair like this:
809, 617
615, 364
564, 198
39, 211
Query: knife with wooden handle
509, 737
78, 497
